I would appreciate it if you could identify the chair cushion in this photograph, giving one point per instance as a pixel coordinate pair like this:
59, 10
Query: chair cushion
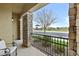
2, 44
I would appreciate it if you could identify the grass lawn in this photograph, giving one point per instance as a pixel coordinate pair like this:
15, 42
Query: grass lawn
62, 30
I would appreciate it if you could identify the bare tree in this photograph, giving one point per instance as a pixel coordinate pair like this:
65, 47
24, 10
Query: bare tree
45, 18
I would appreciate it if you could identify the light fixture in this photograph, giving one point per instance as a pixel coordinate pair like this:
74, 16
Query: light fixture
12, 20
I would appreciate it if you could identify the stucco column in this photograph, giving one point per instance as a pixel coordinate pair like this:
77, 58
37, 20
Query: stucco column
72, 29
27, 28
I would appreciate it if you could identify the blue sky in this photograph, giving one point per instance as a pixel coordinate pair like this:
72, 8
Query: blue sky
60, 11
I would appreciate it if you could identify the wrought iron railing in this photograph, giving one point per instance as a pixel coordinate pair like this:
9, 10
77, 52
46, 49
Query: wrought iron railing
50, 45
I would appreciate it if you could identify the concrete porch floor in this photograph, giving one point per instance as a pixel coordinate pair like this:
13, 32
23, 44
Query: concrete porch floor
30, 51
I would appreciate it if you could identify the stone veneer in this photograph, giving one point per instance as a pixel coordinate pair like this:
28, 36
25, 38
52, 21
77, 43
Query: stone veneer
27, 30
72, 30
77, 25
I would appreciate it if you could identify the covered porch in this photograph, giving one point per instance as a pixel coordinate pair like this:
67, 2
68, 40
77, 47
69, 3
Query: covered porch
16, 25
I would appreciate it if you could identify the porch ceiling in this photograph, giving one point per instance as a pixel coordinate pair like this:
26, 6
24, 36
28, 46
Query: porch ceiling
19, 8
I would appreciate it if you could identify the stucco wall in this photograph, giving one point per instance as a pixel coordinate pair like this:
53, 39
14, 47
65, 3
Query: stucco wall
6, 23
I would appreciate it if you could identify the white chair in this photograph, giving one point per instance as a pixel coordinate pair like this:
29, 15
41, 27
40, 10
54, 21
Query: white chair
4, 51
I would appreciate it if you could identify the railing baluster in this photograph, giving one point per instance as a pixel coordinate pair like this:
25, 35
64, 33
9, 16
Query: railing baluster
67, 46
41, 43
57, 46
60, 45
63, 45
51, 45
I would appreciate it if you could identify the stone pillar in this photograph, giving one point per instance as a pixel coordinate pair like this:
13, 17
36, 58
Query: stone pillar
30, 18
25, 31
72, 30
27, 28
77, 25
